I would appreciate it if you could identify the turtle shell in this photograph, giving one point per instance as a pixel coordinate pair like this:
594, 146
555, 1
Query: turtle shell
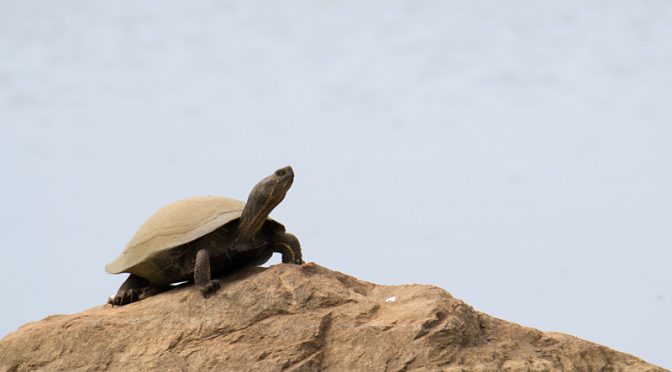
176, 224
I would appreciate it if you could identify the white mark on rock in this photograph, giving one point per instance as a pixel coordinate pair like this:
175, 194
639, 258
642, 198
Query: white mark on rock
391, 299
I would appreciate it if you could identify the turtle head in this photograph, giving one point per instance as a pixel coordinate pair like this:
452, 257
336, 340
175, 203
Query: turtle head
265, 196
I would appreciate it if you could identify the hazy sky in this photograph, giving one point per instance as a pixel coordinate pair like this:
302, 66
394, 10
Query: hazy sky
516, 155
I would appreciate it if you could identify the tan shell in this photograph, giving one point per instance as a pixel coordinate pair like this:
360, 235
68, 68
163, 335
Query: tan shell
176, 224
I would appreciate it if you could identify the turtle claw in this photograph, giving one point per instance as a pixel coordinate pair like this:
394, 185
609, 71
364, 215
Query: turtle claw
212, 287
124, 297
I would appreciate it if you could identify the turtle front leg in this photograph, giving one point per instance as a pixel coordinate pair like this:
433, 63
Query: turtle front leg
290, 248
202, 274
133, 289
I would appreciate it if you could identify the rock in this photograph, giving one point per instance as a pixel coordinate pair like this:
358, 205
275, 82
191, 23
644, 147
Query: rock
299, 318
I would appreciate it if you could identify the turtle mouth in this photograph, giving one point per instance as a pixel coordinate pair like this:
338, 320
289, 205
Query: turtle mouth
286, 172
284, 179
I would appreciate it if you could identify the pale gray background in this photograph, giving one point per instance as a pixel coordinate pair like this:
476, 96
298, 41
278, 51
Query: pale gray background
516, 153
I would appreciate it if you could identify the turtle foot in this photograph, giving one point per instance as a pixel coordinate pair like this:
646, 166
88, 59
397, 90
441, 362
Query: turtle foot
209, 288
125, 297
290, 248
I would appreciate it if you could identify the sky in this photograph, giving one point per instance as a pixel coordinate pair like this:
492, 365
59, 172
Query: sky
516, 155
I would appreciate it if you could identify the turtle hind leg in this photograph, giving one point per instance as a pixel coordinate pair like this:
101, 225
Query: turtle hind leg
152, 290
135, 288
290, 248
129, 291
202, 274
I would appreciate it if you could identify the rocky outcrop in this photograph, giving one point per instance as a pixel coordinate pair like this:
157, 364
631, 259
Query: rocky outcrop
299, 318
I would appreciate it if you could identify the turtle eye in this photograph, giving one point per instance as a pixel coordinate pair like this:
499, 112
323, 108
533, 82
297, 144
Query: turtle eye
280, 172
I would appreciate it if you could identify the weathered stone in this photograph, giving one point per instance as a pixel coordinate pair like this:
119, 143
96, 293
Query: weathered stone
299, 318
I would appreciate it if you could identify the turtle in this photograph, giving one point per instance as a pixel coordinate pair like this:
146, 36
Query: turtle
201, 238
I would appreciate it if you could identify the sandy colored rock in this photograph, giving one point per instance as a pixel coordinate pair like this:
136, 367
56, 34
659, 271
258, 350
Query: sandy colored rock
299, 318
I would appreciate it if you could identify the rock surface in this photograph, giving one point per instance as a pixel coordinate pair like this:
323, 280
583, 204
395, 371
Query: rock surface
299, 318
